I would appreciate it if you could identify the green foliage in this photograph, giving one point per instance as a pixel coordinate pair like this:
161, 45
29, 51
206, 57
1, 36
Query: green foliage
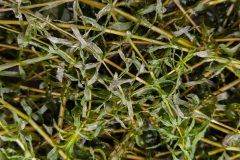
135, 79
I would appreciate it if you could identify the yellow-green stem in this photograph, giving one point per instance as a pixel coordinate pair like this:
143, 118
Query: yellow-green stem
34, 125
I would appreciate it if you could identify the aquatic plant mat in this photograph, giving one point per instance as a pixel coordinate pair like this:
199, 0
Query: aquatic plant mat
120, 79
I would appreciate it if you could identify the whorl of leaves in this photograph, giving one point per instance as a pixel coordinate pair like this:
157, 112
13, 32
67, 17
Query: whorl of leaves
119, 79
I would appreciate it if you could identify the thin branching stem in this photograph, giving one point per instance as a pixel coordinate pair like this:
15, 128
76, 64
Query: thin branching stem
159, 30
186, 14
34, 125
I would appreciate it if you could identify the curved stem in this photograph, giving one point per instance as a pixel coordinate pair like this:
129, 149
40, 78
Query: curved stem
110, 31
34, 125
159, 30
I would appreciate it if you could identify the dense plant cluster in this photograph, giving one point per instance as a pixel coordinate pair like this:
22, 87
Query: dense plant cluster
120, 79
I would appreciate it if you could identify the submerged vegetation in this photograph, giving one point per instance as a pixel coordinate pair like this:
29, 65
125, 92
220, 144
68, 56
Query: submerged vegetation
120, 79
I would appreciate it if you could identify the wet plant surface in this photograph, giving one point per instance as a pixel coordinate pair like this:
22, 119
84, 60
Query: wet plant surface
120, 79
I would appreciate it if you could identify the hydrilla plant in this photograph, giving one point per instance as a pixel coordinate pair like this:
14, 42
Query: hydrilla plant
119, 79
